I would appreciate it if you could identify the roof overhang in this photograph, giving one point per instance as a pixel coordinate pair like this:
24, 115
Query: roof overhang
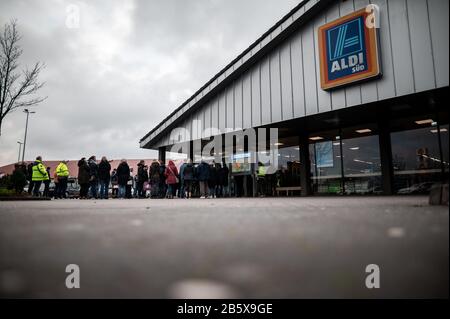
291, 22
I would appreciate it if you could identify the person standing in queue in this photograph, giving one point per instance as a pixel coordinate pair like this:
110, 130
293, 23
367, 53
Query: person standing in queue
114, 183
39, 175
212, 180
154, 179
162, 179
47, 184
203, 177
123, 175
62, 173
187, 178
93, 172
182, 191
223, 180
104, 176
142, 178
83, 177
129, 188
171, 175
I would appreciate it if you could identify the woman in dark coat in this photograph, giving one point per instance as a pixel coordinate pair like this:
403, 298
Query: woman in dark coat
123, 176
83, 177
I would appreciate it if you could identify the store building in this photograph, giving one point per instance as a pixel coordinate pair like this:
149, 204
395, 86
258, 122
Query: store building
358, 94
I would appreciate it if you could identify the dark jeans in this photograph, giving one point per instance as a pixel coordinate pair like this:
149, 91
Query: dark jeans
128, 190
203, 188
93, 188
140, 189
187, 187
104, 187
62, 187
36, 187
162, 189
84, 189
171, 188
46, 188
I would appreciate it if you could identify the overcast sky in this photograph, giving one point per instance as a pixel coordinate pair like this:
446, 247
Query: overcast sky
125, 68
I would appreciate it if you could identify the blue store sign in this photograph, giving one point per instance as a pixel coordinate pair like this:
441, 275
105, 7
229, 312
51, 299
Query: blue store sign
348, 49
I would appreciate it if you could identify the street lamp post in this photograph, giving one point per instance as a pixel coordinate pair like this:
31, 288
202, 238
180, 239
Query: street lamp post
20, 147
26, 129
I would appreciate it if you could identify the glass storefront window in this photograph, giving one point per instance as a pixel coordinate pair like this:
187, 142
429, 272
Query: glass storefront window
288, 168
416, 156
361, 159
325, 158
288, 163
444, 140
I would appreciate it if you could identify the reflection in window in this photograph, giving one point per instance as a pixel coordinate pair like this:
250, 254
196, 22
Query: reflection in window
444, 141
288, 169
325, 158
416, 159
288, 166
362, 164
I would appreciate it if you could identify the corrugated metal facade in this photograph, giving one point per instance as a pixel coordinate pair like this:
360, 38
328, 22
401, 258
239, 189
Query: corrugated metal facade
285, 84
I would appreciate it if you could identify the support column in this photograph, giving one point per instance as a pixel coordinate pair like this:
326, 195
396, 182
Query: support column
191, 151
162, 153
386, 158
305, 165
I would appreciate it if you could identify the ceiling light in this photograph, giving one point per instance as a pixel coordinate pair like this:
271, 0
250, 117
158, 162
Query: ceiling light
278, 144
435, 130
316, 138
422, 122
354, 148
364, 130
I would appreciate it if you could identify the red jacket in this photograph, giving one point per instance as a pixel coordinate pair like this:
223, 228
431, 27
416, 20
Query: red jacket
171, 173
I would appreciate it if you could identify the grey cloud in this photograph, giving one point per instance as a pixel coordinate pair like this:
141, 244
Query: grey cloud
130, 63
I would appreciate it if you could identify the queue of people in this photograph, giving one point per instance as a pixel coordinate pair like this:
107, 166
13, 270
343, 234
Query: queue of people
96, 178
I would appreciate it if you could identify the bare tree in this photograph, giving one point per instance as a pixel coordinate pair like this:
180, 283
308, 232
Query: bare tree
17, 88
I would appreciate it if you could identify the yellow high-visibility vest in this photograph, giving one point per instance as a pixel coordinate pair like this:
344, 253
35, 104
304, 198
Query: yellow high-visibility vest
62, 170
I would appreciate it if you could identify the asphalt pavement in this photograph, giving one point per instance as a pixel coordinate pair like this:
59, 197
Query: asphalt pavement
316, 247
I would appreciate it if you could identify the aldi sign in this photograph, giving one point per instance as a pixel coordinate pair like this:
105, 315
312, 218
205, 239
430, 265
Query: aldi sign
348, 49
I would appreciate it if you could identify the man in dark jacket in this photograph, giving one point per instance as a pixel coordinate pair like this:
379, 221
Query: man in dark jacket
223, 180
213, 180
83, 177
187, 176
104, 176
162, 179
93, 172
123, 176
142, 178
203, 177
154, 179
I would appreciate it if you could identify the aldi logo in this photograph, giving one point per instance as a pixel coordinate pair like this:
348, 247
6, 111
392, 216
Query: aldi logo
348, 49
